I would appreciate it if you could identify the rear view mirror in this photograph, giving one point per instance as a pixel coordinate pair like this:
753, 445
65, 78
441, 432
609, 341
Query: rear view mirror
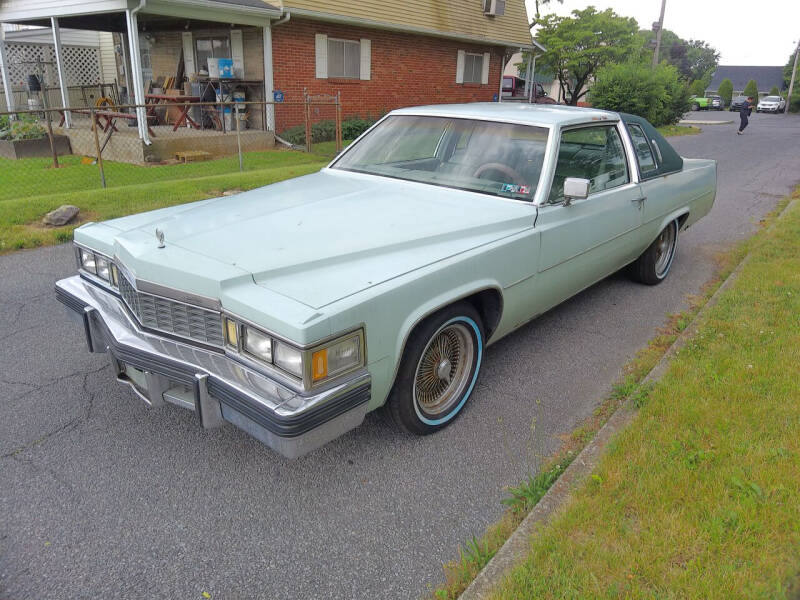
575, 189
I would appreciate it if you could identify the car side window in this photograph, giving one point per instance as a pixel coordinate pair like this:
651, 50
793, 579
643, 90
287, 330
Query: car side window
595, 153
644, 154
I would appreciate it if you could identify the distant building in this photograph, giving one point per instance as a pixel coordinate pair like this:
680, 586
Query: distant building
765, 77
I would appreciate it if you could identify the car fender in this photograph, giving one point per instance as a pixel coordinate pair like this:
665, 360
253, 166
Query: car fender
671, 216
435, 304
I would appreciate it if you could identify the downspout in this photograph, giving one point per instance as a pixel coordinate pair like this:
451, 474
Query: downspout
136, 68
268, 77
532, 92
283, 20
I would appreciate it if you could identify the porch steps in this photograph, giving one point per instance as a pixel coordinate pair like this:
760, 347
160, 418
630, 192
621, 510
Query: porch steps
192, 155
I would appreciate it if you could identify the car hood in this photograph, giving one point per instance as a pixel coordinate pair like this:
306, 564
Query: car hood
322, 237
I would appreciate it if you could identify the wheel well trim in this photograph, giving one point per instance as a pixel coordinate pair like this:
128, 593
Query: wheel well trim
680, 214
415, 318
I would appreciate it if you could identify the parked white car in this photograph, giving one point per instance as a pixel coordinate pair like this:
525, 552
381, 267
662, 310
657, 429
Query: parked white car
774, 104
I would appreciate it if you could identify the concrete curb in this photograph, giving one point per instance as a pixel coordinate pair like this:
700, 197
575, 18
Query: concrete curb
558, 496
697, 122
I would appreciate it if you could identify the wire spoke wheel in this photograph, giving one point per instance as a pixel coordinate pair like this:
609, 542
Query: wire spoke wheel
665, 248
444, 369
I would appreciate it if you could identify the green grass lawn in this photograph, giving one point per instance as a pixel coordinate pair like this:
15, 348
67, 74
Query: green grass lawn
20, 217
700, 496
678, 130
36, 176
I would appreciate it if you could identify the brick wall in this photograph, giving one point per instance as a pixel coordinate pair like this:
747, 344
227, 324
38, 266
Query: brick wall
406, 70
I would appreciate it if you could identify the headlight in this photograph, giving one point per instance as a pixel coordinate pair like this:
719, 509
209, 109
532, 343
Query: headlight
289, 359
337, 358
312, 366
88, 261
102, 265
257, 344
99, 265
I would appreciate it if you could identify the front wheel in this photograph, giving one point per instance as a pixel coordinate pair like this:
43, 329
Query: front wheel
652, 267
695, 106
438, 370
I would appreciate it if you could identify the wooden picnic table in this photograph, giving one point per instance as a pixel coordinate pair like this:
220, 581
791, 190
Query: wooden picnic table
153, 100
109, 116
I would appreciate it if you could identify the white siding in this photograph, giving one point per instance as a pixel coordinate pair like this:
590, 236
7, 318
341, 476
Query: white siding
108, 61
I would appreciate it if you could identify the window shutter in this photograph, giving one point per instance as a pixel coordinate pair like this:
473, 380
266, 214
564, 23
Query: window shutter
321, 42
462, 57
366, 59
237, 53
485, 73
188, 54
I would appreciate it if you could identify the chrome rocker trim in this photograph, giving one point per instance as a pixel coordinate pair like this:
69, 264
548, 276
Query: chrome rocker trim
214, 386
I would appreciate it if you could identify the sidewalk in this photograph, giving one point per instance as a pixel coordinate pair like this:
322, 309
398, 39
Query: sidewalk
700, 496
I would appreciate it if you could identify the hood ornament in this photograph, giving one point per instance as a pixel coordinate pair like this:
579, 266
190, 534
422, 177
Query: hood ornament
160, 237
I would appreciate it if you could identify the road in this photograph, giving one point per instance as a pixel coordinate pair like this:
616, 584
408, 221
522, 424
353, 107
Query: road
102, 498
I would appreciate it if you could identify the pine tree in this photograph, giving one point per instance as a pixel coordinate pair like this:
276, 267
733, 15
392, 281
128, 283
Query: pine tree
751, 89
726, 91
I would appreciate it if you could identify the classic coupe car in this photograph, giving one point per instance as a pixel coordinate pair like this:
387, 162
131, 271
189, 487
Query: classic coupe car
292, 310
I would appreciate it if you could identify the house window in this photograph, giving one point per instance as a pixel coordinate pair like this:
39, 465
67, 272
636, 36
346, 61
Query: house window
473, 68
344, 58
211, 47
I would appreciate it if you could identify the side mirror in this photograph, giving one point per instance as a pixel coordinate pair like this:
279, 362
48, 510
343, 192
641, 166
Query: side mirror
575, 189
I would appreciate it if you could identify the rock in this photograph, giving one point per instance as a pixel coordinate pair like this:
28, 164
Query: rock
60, 216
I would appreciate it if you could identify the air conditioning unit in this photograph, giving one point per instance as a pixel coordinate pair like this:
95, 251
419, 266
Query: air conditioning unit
494, 8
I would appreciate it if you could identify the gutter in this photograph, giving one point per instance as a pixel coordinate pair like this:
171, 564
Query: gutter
283, 20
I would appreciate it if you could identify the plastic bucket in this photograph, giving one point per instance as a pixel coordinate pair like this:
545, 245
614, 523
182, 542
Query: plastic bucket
213, 68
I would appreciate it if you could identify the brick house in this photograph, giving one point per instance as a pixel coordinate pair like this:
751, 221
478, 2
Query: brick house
379, 54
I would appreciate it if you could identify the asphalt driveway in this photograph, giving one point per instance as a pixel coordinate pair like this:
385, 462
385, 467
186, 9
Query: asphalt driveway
102, 498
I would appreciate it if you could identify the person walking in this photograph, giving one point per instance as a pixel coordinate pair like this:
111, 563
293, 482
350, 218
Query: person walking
744, 113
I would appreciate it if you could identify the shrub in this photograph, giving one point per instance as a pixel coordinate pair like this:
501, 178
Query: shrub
751, 89
325, 131
657, 94
774, 91
25, 127
726, 91
354, 127
794, 102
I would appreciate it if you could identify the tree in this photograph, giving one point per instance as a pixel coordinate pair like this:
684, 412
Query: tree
751, 89
635, 87
698, 88
774, 91
694, 59
725, 91
537, 15
579, 45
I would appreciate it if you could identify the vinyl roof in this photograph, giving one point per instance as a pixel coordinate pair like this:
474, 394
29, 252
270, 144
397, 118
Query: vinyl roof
533, 114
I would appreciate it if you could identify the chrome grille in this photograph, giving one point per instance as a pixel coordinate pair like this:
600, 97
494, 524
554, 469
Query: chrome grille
170, 316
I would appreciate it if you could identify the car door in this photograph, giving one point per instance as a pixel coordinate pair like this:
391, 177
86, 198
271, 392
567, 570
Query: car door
588, 239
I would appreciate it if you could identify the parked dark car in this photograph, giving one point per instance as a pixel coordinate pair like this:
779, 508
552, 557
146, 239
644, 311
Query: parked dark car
738, 102
715, 103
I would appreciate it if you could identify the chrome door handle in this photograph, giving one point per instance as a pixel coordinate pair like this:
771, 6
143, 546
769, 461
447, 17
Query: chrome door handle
640, 200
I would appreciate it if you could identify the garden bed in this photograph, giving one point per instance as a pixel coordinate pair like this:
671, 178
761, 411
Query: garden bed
16, 149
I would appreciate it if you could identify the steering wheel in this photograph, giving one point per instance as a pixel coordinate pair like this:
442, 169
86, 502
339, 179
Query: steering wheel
504, 169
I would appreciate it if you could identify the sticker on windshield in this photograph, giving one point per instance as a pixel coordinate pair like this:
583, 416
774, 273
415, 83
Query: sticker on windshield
513, 188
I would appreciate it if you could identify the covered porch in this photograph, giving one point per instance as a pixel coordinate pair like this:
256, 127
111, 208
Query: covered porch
164, 51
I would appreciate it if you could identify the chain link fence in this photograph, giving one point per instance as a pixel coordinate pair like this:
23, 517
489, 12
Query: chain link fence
57, 150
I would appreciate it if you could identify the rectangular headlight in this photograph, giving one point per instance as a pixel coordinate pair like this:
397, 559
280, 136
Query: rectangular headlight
102, 267
337, 358
288, 358
257, 344
88, 261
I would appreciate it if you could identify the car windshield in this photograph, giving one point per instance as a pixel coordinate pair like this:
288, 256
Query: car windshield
501, 159
771, 99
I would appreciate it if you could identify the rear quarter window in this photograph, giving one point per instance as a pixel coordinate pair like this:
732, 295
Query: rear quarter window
644, 154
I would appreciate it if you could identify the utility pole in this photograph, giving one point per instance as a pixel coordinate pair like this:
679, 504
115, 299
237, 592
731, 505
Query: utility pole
658, 27
791, 83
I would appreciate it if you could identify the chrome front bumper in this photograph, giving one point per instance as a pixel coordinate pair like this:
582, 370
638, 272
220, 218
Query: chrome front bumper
215, 386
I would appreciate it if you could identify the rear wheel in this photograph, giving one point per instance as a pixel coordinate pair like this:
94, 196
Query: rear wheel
653, 266
438, 371
695, 106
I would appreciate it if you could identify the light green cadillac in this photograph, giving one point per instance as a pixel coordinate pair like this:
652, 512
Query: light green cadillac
292, 310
